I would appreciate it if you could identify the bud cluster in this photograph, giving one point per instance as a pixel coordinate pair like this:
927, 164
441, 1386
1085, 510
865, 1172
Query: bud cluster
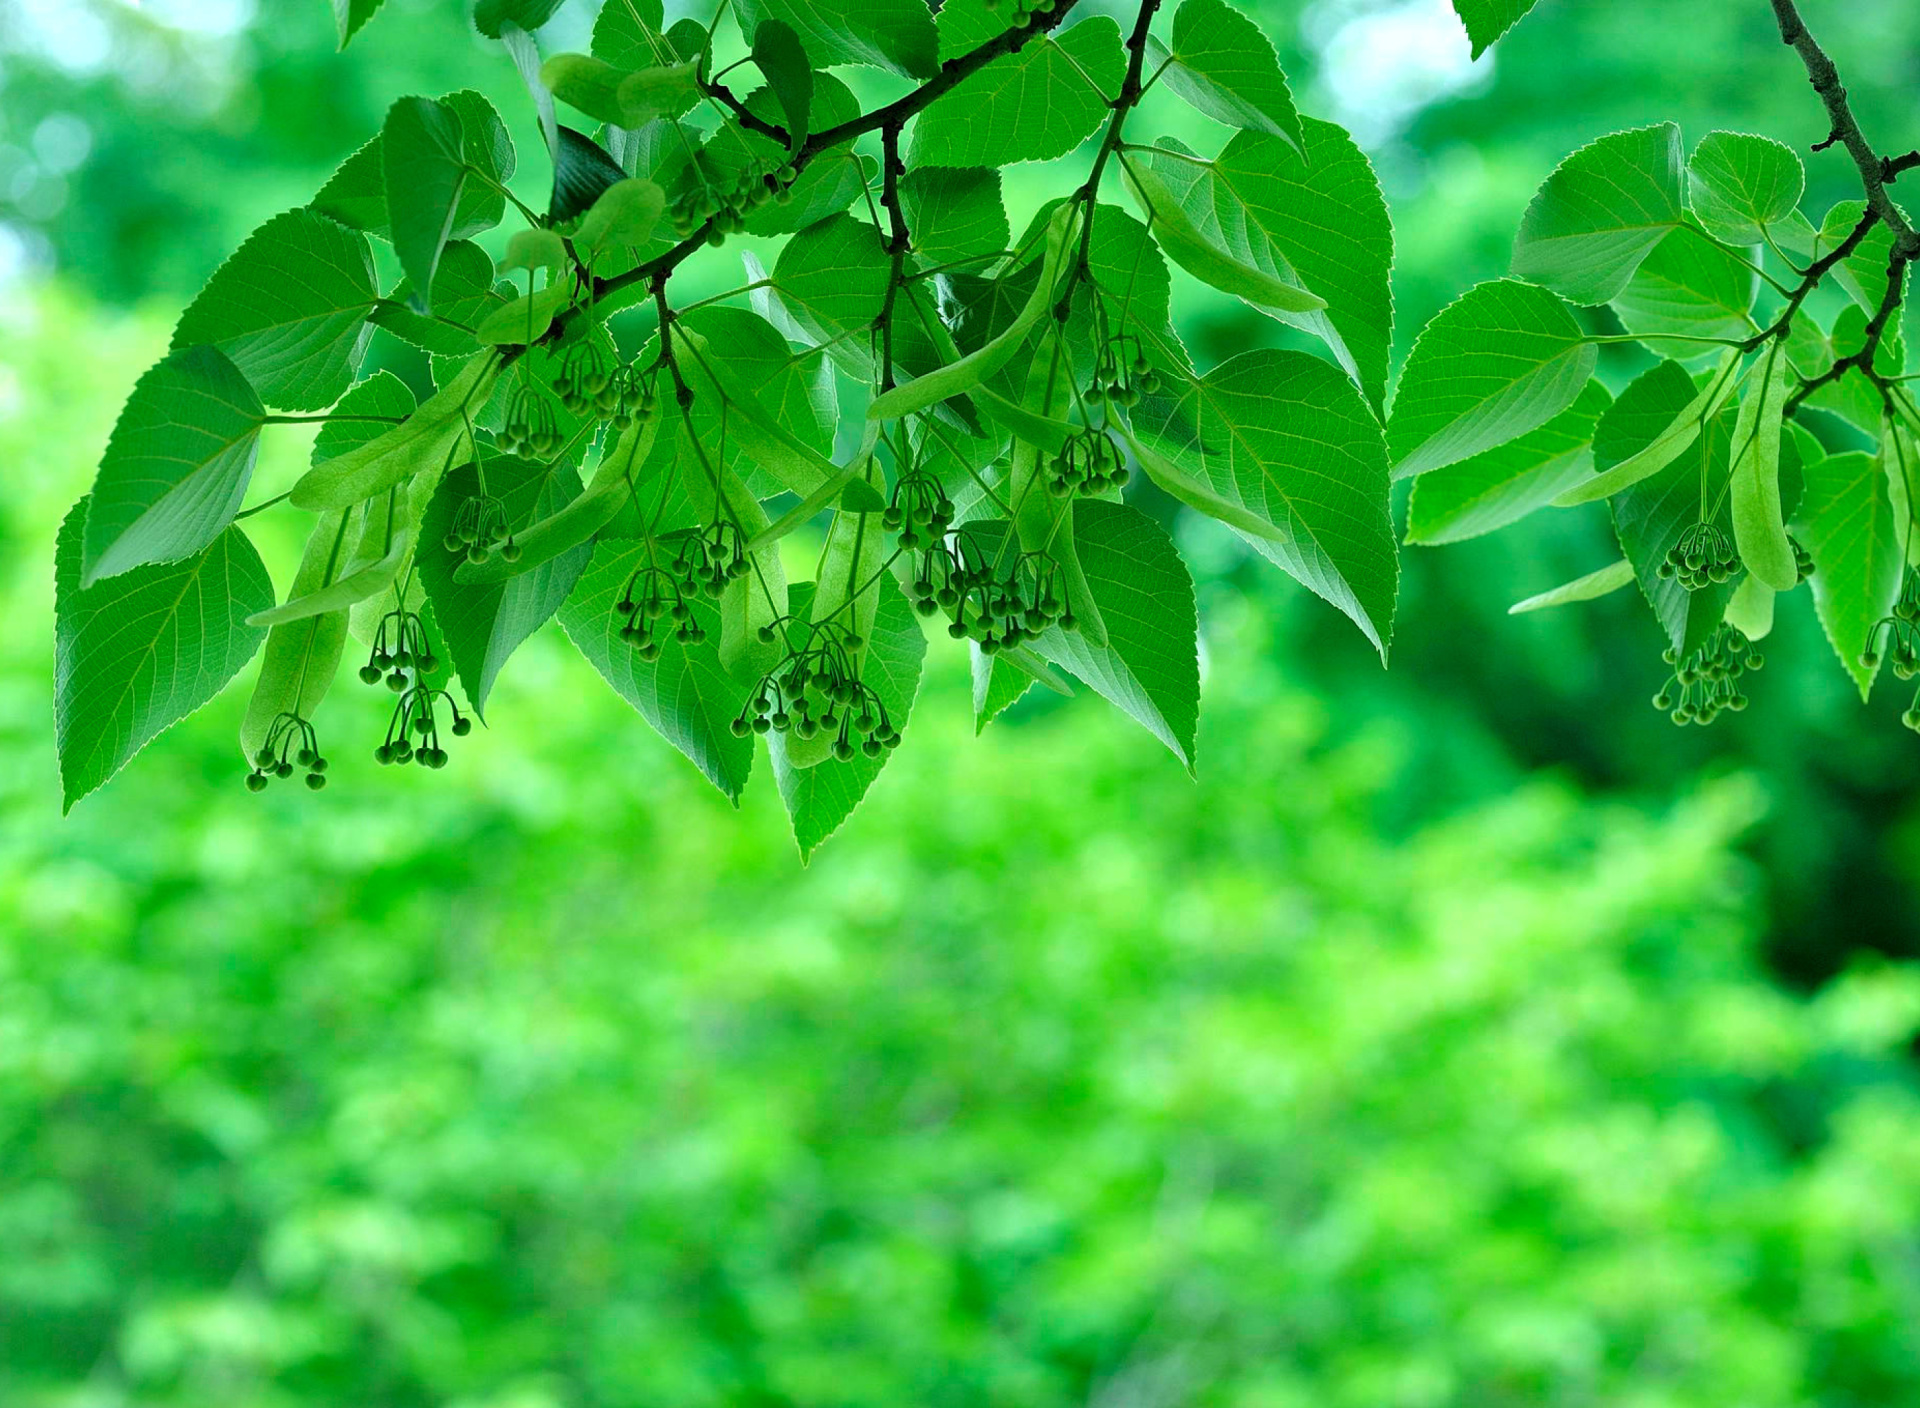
1802, 560
291, 742
728, 205
818, 690
1703, 557
1708, 681
413, 733
1896, 638
531, 427
480, 530
400, 646
1025, 12
1121, 379
1088, 463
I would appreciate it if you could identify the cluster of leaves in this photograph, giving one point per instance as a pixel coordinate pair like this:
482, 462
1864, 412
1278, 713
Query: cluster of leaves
590, 452
1772, 441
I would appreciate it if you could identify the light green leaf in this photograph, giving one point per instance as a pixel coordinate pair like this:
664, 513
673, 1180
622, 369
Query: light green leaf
1671, 442
289, 307
1863, 273
525, 318
349, 16
1319, 222
686, 694
385, 529
177, 465
832, 277
421, 443
1498, 361
1033, 105
1502, 485
1689, 286
818, 799
1487, 20
1224, 65
769, 416
135, 654
1847, 523
1750, 611
958, 377
1282, 448
1600, 213
537, 249
955, 213
1740, 184
1759, 529
1595, 584
781, 59
421, 148
891, 34
1206, 261
484, 623
627, 34
491, 16
302, 657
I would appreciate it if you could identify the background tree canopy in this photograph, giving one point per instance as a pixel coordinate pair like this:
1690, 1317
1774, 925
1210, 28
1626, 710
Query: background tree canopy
1465, 1033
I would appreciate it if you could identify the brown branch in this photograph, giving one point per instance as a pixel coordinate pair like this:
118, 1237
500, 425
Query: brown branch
898, 243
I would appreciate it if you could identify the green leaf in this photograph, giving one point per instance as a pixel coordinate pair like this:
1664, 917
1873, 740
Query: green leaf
955, 213
489, 16
830, 182
1149, 667
421, 443
891, 34
1186, 246
525, 318
818, 799
485, 622
686, 694
1666, 446
1600, 213
421, 148
832, 277
302, 657
349, 16
356, 194
1740, 184
1689, 286
1319, 222
1000, 680
1847, 523
1863, 273
1587, 588
1750, 609
1033, 105
1502, 485
779, 411
537, 249
782, 60
137, 653
1224, 65
627, 34
1498, 361
1853, 398
1487, 20
1650, 516
1759, 528
616, 96
177, 465
1282, 448
582, 173
289, 307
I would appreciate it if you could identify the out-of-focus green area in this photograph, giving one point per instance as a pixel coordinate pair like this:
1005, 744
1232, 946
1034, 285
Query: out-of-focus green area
1464, 1034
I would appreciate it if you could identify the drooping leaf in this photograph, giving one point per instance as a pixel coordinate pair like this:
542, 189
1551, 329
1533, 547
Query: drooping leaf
818, 799
289, 307
1188, 247
1689, 286
1740, 185
1593, 585
1282, 448
782, 61
421, 443
1863, 273
891, 34
1487, 20
1601, 212
1502, 485
1666, 446
490, 16
1500, 360
176, 467
1318, 222
140, 651
349, 16
685, 693
425, 165
485, 622
1033, 105
1759, 527
1224, 65
955, 213
1847, 523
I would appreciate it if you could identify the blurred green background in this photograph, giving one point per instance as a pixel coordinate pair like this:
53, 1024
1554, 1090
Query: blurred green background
1465, 1034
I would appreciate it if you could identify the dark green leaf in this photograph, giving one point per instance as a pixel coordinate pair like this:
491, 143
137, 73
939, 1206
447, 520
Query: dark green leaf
421, 148
350, 15
1487, 20
139, 652
177, 465
1225, 66
891, 34
289, 307
627, 34
1846, 520
832, 277
778, 54
954, 213
489, 16
582, 173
